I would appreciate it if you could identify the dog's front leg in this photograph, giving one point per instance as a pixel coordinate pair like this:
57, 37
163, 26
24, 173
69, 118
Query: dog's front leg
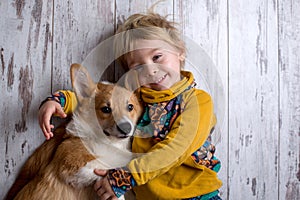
74, 167
85, 175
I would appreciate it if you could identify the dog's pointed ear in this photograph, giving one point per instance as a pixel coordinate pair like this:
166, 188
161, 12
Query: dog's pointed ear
82, 83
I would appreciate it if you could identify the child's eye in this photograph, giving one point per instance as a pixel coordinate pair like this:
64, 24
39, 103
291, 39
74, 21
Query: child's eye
156, 57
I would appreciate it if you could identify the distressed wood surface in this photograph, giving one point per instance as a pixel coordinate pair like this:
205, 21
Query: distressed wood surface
126, 8
25, 42
255, 46
253, 100
289, 121
79, 26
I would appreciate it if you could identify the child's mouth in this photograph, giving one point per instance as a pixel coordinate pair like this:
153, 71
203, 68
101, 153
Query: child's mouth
161, 79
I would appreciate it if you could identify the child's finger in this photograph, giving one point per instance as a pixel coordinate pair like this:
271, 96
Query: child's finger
103, 187
46, 126
47, 134
60, 112
46, 122
100, 172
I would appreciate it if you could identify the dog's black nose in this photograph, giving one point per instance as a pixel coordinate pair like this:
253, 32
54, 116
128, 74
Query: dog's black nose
124, 128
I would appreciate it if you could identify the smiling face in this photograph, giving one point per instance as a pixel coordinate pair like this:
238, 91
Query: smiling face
156, 62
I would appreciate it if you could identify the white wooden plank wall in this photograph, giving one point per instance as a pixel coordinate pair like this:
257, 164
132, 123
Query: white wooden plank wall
255, 46
253, 86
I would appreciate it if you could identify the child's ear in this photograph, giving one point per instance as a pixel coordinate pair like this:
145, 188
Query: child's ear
82, 83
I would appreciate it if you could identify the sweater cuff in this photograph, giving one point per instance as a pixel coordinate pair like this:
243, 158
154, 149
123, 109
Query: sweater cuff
58, 96
121, 180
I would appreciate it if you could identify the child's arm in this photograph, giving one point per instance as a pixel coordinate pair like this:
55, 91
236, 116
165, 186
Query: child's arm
188, 133
61, 104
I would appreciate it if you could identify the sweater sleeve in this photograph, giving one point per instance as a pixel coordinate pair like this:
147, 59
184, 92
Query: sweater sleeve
188, 133
70, 101
121, 180
66, 98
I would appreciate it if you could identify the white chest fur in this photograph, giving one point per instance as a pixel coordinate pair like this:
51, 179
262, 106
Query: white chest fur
110, 152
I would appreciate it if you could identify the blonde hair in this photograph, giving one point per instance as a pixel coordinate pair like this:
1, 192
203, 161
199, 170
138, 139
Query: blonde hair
150, 26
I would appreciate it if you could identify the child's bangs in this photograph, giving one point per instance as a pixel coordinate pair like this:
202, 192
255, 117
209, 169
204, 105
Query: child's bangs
126, 41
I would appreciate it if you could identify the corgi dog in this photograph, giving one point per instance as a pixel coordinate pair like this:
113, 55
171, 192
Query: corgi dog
97, 136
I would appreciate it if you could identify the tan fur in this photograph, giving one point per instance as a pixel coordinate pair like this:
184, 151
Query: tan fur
62, 168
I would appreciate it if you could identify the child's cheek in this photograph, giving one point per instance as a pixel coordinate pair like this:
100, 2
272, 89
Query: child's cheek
143, 83
142, 79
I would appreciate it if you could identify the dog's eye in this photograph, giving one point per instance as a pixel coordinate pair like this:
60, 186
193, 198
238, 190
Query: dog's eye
106, 109
130, 107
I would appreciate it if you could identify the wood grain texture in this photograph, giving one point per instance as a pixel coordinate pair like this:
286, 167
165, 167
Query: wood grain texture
289, 98
126, 8
79, 27
25, 44
253, 100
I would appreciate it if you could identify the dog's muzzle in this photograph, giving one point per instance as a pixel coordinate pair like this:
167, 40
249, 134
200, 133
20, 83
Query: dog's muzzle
125, 127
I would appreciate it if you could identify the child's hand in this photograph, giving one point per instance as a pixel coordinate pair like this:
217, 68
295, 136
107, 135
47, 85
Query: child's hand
46, 111
102, 187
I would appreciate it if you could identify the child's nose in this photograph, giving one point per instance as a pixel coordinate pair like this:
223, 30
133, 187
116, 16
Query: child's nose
150, 69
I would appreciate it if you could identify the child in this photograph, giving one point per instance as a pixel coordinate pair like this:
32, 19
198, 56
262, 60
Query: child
173, 134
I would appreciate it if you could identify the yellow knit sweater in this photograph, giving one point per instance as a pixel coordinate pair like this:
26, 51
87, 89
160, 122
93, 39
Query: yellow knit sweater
167, 170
